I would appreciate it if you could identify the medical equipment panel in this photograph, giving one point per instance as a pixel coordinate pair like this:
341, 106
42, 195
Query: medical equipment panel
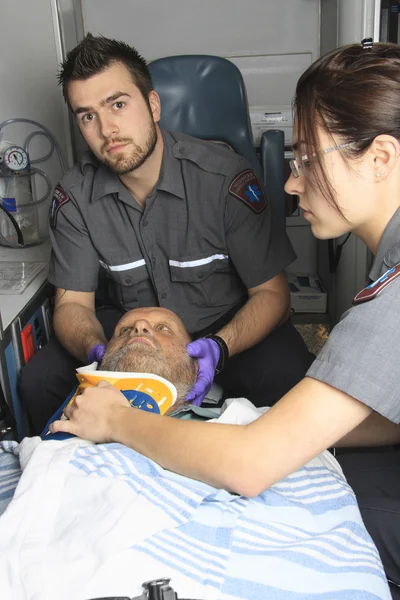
25, 335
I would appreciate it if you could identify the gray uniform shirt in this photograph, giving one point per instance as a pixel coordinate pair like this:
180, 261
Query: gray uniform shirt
361, 356
195, 248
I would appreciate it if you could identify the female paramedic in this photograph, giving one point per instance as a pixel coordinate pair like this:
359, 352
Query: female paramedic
346, 173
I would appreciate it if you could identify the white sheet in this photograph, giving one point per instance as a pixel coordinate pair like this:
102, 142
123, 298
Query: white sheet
95, 520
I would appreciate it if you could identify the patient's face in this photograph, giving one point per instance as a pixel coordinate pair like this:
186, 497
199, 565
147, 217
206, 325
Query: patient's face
152, 340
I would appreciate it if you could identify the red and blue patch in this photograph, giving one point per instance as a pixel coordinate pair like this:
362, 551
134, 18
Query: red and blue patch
373, 289
248, 188
59, 199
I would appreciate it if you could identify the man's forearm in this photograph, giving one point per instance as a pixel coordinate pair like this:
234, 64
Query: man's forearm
77, 329
262, 313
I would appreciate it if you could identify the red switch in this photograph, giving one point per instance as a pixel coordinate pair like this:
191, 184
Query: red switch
27, 342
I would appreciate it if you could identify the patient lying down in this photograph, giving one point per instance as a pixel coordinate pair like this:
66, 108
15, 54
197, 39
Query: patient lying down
93, 520
152, 340
149, 341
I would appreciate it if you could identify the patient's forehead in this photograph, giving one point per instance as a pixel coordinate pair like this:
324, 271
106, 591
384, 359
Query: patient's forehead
153, 315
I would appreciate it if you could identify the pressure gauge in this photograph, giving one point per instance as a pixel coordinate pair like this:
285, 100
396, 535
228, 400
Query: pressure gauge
16, 158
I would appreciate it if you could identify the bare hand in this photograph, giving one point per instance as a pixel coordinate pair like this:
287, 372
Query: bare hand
91, 415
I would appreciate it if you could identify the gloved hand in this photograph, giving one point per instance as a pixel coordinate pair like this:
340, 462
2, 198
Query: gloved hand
96, 353
207, 353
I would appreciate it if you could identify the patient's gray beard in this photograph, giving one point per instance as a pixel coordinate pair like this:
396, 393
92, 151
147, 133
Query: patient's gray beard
179, 369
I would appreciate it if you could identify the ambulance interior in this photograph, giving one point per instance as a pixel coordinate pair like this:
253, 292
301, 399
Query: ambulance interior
269, 44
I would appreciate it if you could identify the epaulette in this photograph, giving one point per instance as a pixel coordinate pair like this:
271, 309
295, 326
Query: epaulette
373, 289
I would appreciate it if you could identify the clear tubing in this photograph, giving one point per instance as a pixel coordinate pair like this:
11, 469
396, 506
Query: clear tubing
47, 133
27, 142
35, 171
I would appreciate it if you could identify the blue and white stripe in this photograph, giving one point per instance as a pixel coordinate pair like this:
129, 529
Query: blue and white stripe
10, 472
133, 521
307, 526
142, 476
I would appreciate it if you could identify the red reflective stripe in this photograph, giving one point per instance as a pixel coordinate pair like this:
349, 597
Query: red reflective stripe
368, 293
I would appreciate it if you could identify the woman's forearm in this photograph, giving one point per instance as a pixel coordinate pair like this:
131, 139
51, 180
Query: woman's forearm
246, 459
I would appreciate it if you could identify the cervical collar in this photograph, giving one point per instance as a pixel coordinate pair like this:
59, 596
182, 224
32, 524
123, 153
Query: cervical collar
144, 391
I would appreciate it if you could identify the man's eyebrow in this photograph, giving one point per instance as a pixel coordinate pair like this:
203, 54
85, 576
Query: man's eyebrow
83, 109
158, 321
112, 98
169, 321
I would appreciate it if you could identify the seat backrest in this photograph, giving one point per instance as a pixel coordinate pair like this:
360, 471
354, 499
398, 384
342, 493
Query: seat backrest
272, 153
205, 96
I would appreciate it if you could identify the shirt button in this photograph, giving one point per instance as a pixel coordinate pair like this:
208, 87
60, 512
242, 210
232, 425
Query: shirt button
128, 281
153, 261
200, 275
145, 223
181, 150
163, 295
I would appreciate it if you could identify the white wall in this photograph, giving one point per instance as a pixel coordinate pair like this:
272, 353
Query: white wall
271, 41
329, 25
357, 19
29, 87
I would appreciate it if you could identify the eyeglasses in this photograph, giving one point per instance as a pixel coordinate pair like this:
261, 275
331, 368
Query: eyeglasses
304, 162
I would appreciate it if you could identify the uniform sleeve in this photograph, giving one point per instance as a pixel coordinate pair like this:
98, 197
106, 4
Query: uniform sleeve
257, 249
361, 356
74, 263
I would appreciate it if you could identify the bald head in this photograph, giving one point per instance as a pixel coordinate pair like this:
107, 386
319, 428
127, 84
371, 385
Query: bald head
152, 340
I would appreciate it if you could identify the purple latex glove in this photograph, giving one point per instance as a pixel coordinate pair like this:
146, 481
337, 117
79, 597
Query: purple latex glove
207, 353
96, 353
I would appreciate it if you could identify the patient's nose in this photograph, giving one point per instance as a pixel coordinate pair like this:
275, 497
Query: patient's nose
141, 326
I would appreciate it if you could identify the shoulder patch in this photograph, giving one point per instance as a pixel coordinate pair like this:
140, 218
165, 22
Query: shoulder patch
59, 199
248, 188
373, 289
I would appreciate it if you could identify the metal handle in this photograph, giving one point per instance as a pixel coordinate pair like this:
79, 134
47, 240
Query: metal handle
159, 589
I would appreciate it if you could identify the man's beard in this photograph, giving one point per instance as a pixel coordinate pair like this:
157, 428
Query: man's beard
138, 357
139, 154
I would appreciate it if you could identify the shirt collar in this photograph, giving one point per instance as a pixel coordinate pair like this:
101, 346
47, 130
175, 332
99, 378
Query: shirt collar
106, 182
170, 179
388, 254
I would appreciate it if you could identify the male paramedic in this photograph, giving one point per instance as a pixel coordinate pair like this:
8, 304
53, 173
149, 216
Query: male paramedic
168, 220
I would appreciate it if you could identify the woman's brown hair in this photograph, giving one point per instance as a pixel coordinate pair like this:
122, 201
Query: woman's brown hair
351, 93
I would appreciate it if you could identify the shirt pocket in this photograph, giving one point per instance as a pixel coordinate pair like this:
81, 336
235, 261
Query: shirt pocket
203, 281
132, 285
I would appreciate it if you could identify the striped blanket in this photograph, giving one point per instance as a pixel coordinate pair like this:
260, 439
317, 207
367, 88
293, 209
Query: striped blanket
10, 472
97, 520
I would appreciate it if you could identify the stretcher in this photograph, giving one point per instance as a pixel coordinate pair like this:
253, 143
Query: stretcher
131, 520
156, 589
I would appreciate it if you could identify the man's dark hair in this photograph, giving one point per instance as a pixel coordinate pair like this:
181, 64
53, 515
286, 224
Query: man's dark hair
95, 54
